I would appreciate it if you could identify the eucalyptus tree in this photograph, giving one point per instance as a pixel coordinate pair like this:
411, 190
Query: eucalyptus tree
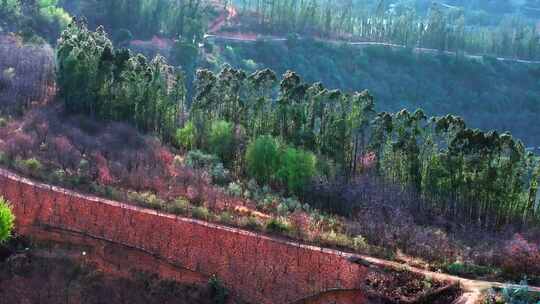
96, 79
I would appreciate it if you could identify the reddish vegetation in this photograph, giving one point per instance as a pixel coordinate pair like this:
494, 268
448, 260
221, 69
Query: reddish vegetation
524, 256
109, 154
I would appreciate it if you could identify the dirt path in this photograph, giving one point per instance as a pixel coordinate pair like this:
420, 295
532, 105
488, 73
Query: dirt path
473, 289
228, 14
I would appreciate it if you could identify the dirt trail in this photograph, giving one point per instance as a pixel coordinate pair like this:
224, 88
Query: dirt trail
228, 14
473, 289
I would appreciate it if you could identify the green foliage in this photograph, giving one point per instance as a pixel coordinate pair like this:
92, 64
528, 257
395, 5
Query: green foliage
98, 80
405, 23
262, 158
221, 140
185, 54
218, 291
297, 167
468, 270
146, 18
234, 189
7, 220
201, 213
146, 199
404, 79
518, 294
199, 160
278, 225
50, 11
43, 17
186, 136
178, 206
31, 165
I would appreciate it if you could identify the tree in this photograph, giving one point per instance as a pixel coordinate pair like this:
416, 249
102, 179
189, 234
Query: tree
262, 158
297, 168
221, 140
7, 220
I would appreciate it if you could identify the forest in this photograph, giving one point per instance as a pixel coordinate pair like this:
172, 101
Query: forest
381, 150
438, 26
485, 177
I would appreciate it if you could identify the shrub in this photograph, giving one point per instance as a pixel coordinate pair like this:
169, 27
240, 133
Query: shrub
221, 140
521, 257
7, 220
178, 206
197, 159
201, 213
467, 269
220, 175
186, 136
518, 295
146, 199
58, 176
226, 217
359, 243
234, 189
336, 238
262, 158
4, 160
278, 225
253, 222
31, 165
219, 293
297, 167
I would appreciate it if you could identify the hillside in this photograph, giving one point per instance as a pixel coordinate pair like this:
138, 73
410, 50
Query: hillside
283, 168
489, 94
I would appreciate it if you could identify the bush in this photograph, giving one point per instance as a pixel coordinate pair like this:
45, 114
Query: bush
178, 206
226, 217
219, 293
252, 222
262, 158
220, 175
186, 136
201, 213
221, 140
468, 270
146, 199
297, 167
521, 257
197, 159
234, 189
278, 225
31, 165
7, 220
337, 239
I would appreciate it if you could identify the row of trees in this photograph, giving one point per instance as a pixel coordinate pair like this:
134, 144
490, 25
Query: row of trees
285, 132
487, 178
330, 123
443, 28
108, 83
